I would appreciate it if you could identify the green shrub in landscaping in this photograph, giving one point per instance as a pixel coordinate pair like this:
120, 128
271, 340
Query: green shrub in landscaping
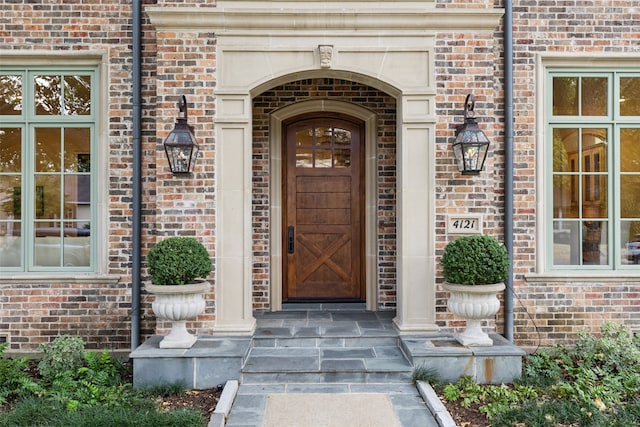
65, 353
15, 381
596, 382
97, 382
79, 389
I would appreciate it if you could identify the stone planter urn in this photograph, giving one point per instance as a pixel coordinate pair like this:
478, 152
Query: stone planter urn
178, 303
474, 304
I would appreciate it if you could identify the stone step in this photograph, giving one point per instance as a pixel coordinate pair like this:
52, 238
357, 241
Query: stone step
325, 342
326, 364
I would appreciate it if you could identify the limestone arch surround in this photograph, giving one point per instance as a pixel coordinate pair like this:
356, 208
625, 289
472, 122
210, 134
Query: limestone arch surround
389, 45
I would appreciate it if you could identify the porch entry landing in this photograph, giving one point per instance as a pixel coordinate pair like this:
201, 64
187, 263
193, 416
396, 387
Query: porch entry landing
326, 344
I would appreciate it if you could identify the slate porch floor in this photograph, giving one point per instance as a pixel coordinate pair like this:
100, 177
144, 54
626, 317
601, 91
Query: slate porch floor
318, 348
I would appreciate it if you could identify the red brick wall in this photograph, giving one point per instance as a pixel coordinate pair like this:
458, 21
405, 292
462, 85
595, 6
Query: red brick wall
95, 309
36, 313
185, 205
385, 108
466, 64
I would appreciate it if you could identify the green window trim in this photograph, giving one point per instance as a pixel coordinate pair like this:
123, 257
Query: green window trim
592, 178
47, 224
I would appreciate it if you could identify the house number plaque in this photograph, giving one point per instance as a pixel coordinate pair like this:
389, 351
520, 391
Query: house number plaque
464, 224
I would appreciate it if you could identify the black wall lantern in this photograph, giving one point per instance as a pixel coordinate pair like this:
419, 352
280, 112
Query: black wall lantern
181, 146
471, 144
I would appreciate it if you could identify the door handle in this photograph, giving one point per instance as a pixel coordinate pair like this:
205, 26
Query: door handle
290, 239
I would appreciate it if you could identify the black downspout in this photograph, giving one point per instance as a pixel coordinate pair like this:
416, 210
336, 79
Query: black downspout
136, 179
508, 165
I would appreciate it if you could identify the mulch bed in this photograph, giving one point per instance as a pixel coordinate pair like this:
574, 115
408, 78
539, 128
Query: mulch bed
466, 417
204, 401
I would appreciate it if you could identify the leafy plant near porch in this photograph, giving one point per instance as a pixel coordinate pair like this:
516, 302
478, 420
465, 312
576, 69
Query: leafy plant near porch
92, 392
596, 382
65, 353
15, 382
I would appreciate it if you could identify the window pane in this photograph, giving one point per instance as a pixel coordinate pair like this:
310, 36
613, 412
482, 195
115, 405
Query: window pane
630, 196
77, 197
565, 203
565, 186
342, 136
76, 247
630, 96
594, 144
10, 197
630, 150
77, 148
47, 197
48, 95
10, 95
304, 138
594, 243
342, 158
76, 251
304, 158
47, 244
594, 199
630, 231
565, 149
10, 244
10, 149
594, 96
47, 149
77, 95
323, 137
565, 96
566, 242
323, 159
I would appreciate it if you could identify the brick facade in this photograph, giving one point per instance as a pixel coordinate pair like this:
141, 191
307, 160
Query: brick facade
177, 63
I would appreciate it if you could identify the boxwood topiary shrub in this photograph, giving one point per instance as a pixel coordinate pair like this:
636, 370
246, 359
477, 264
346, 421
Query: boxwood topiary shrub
178, 260
475, 260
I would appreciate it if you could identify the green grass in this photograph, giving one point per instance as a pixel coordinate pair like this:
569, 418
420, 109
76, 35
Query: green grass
48, 413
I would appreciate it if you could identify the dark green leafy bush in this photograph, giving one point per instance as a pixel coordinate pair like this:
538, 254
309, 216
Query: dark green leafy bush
595, 383
14, 378
93, 392
178, 260
475, 260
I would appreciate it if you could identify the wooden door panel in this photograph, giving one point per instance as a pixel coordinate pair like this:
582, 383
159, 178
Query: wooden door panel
324, 183
327, 200
323, 212
324, 216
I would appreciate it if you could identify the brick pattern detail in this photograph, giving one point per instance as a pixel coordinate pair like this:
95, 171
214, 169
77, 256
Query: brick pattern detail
185, 205
33, 314
465, 63
385, 108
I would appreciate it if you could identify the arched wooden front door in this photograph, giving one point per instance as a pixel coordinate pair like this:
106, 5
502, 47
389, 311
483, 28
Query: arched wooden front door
323, 214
